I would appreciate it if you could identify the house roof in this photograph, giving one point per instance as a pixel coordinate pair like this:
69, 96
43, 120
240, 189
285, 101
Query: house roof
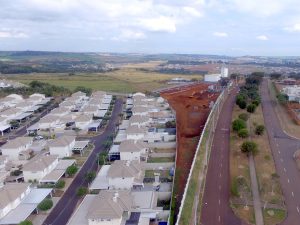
59, 110
79, 94
139, 109
17, 142
110, 205
49, 118
83, 118
11, 111
98, 93
123, 168
136, 130
39, 163
132, 146
10, 192
139, 119
61, 141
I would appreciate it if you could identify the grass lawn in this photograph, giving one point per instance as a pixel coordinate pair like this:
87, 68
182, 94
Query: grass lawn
285, 119
163, 173
124, 80
247, 213
164, 150
160, 159
274, 216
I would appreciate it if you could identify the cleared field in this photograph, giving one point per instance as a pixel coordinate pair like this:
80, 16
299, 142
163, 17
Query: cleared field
125, 80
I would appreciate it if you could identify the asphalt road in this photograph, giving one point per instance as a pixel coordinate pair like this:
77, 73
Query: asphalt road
283, 148
215, 205
67, 204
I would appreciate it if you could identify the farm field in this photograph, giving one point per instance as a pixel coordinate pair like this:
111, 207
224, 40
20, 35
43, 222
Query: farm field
125, 80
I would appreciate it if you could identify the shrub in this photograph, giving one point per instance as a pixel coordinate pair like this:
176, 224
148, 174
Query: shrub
25, 222
244, 116
251, 108
249, 147
71, 170
259, 130
242, 104
45, 205
90, 176
235, 187
238, 124
243, 133
256, 102
81, 191
60, 184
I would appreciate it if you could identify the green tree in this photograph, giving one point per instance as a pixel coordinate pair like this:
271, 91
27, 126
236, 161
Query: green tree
282, 98
86, 90
242, 104
238, 124
243, 133
81, 191
90, 176
25, 222
249, 147
60, 184
45, 205
251, 108
259, 130
244, 116
71, 170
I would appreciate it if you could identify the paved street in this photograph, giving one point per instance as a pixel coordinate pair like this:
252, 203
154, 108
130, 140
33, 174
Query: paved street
215, 205
283, 148
65, 207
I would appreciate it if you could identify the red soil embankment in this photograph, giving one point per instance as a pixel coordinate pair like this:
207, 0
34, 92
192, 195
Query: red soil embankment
192, 106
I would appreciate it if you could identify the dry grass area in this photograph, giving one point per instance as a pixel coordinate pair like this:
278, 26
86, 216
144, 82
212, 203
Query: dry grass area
164, 150
124, 80
247, 213
268, 180
269, 185
287, 123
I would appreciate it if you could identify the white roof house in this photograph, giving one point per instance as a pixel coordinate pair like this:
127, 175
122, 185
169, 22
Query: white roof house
106, 208
62, 146
39, 166
48, 121
140, 110
82, 121
125, 174
133, 150
293, 92
60, 111
11, 195
139, 120
135, 132
13, 147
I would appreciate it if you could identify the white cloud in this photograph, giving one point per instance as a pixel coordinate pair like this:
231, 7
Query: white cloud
262, 38
12, 34
294, 28
220, 34
192, 11
159, 24
129, 35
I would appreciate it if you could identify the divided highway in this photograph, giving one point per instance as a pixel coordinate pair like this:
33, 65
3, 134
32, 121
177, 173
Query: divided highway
67, 204
215, 205
283, 148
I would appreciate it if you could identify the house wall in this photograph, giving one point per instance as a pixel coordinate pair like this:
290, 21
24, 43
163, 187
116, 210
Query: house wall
106, 222
31, 176
120, 183
130, 156
61, 151
135, 136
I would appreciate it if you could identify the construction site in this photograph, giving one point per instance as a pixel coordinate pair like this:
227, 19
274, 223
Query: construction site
192, 104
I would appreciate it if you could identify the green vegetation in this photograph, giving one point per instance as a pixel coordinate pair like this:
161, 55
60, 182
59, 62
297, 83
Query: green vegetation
282, 98
251, 108
81, 191
243, 133
71, 170
235, 187
86, 90
90, 176
238, 124
45, 205
160, 159
244, 116
60, 184
171, 124
259, 130
103, 158
26, 222
249, 147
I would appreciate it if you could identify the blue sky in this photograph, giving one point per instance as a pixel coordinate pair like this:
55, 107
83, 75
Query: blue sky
227, 27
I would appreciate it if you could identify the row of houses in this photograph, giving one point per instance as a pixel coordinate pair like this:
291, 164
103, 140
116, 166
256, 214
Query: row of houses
123, 197
77, 111
293, 93
15, 108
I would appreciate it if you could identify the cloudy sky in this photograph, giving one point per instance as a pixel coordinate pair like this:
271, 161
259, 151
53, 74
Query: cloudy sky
231, 27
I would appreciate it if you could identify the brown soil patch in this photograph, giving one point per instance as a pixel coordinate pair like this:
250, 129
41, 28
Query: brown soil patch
192, 109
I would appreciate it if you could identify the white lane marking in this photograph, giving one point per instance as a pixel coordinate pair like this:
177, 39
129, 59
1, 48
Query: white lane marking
293, 194
220, 175
278, 151
219, 218
277, 145
298, 209
220, 187
219, 202
281, 160
288, 180
284, 169
221, 165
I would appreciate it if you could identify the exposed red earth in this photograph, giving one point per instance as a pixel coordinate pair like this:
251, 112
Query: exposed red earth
192, 106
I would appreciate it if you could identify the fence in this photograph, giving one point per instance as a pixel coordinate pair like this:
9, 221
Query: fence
189, 211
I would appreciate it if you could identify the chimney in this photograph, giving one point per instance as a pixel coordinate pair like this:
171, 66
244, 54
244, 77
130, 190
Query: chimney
116, 195
128, 163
